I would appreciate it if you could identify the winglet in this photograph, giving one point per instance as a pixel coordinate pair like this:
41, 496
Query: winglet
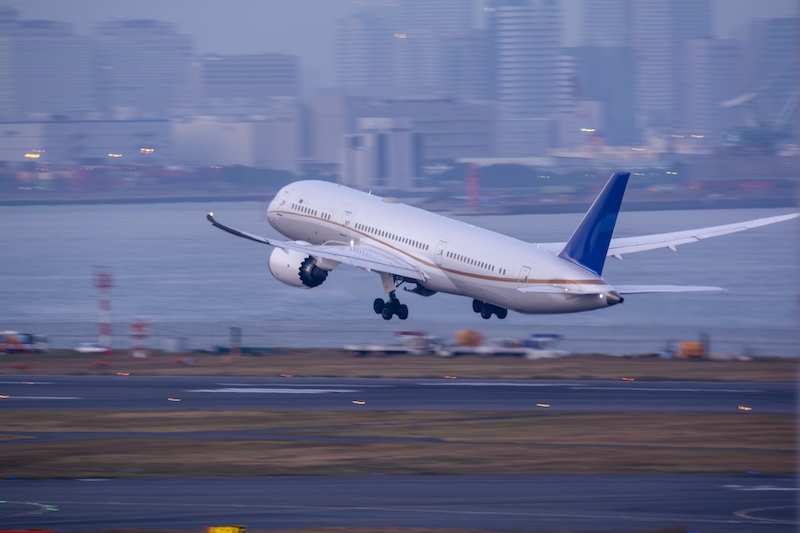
589, 244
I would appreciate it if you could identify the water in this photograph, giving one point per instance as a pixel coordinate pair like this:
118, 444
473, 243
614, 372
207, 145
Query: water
192, 280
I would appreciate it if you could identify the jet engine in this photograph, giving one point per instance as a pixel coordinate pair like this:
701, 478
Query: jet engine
296, 269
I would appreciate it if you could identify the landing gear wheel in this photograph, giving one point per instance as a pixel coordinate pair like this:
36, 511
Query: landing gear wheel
402, 312
477, 306
501, 313
486, 311
387, 313
378, 306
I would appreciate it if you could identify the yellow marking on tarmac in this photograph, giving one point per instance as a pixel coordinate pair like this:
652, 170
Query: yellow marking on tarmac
359, 402
174, 399
543, 405
745, 408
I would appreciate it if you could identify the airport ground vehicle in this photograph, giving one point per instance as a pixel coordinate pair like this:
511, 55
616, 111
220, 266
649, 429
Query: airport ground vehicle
15, 342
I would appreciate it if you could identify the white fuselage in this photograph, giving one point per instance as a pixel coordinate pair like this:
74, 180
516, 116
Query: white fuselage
455, 257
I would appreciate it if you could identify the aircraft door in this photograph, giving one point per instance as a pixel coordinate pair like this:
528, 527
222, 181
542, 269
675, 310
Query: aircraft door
344, 228
524, 274
440, 252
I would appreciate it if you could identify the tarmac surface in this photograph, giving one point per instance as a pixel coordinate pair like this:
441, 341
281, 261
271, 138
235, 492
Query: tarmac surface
707, 503
132, 392
495, 503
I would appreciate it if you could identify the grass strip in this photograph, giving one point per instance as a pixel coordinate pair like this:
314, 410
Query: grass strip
359, 443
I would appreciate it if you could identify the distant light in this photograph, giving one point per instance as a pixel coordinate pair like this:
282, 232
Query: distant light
679, 136
400, 35
587, 130
697, 136
32, 156
638, 149
114, 155
544, 177
147, 150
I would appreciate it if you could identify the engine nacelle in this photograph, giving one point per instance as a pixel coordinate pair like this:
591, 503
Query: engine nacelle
296, 269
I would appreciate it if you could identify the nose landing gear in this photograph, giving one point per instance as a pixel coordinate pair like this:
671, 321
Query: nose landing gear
388, 309
487, 310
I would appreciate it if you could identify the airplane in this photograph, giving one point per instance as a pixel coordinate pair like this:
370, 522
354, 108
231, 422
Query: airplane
328, 224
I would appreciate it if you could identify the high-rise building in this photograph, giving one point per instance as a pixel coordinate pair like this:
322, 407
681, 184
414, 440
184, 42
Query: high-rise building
408, 46
770, 64
438, 16
45, 69
143, 64
364, 50
605, 66
252, 78
607, 23
468, 61
527, 36
661, 29
712, 77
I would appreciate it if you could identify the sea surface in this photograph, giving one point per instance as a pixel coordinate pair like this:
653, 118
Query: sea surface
192, 281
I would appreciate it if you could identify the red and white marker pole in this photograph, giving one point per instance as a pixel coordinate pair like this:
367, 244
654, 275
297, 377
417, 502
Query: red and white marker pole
104, 281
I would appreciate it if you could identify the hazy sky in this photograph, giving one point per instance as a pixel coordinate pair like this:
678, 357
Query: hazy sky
304, 27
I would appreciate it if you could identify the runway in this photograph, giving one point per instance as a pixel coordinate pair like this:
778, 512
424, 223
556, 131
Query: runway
496, 503
132, 392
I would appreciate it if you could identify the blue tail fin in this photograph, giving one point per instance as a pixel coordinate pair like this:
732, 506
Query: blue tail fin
589, 244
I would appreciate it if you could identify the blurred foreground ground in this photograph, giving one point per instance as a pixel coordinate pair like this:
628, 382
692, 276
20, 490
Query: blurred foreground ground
338, 363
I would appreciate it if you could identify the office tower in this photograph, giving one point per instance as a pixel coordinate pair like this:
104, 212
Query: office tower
143, 64
607, 23
364, 58
468, 66
605, 66
45, 69
712, 76
250, 79
527, 38
661, 29
770, 66
438, 16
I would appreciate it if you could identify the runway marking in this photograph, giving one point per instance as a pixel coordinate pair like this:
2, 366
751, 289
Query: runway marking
26, 382
14, 397
664, 389
273, 391
488, 384
758, 488
578, 387
428, 510
318, 385
747, 515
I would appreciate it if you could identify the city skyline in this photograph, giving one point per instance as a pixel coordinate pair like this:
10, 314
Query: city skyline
307, 28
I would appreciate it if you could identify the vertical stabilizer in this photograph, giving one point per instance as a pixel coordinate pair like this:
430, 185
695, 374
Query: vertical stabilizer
589, 244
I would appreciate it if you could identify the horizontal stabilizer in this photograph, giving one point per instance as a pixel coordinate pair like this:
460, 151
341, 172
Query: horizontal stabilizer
649, 289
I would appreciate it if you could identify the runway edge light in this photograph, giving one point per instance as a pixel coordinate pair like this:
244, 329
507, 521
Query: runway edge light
227, 529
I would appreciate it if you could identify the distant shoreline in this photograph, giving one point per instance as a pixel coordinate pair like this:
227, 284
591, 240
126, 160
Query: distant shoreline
457, 210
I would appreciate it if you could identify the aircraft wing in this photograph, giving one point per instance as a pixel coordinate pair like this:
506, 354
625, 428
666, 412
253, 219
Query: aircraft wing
358, 255
627, 245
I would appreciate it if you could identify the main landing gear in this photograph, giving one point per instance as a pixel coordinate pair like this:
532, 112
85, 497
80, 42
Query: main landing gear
487, 310
388, 309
